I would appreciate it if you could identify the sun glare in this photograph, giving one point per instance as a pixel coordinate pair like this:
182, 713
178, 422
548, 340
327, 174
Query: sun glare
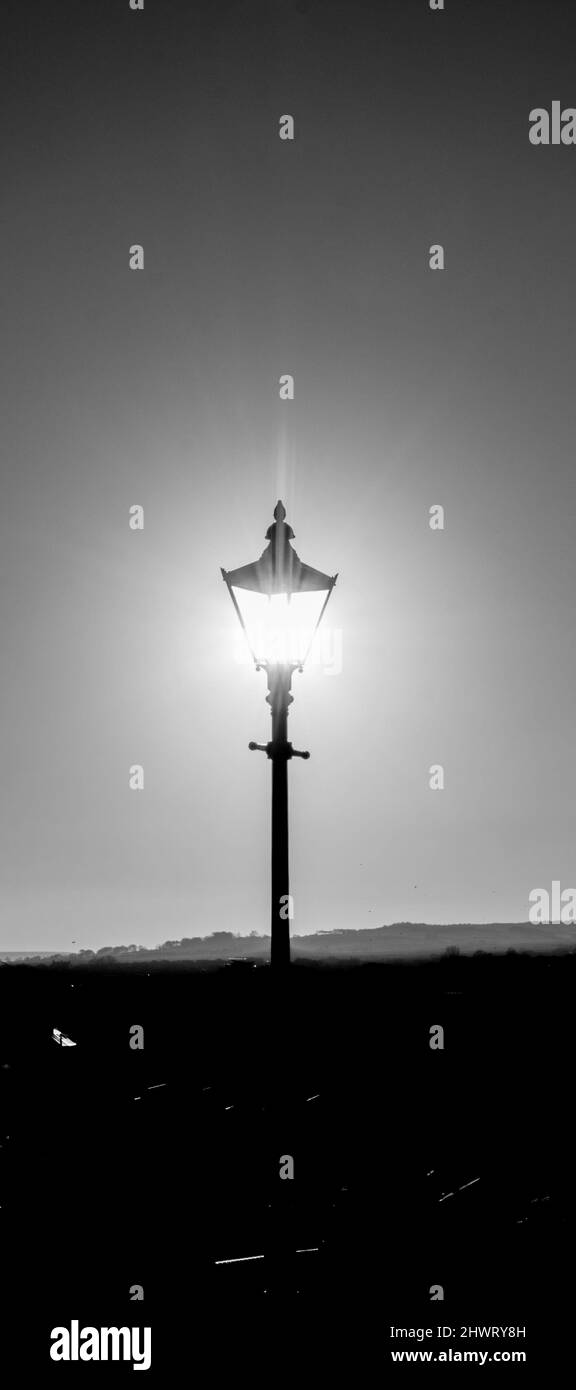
279, 629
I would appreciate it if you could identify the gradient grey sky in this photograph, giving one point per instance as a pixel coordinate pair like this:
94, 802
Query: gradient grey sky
412, 388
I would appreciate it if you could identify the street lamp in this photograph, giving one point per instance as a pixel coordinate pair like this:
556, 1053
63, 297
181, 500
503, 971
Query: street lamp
284, 602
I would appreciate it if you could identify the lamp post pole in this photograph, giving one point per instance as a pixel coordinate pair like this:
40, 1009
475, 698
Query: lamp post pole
279, 750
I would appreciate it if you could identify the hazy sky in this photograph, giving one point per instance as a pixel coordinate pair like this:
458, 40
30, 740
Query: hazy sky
160, 388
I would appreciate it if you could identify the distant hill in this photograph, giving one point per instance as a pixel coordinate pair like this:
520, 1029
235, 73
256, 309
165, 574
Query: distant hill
25, 955
401, 941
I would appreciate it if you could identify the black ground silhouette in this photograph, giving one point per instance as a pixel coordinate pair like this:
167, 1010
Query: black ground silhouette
413, 1166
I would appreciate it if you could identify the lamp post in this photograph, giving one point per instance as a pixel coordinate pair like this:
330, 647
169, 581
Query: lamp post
279, 576
279, 751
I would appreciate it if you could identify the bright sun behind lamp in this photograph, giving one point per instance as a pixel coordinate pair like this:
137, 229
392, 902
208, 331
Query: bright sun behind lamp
280, 629
279, 600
